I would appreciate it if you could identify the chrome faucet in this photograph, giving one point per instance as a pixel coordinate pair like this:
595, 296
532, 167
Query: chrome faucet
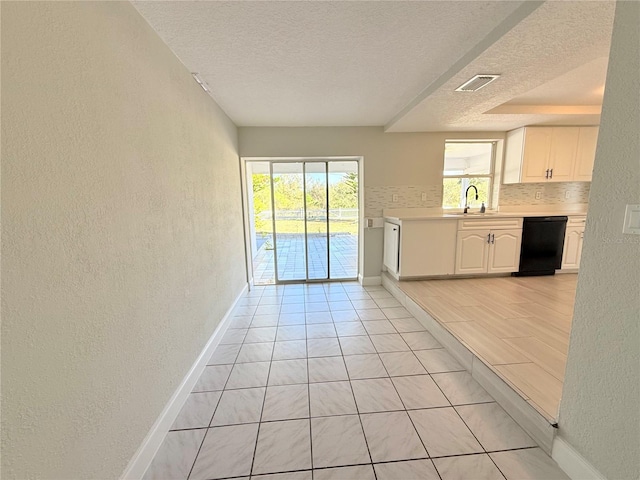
466, 200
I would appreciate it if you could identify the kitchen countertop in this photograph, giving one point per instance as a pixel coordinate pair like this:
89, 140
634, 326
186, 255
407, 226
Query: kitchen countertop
414, 214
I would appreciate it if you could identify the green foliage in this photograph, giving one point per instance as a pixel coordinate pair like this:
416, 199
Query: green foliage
452, 192
288, 195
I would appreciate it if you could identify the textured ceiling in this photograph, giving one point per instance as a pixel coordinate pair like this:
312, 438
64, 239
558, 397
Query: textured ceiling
555, 39
320, 63
335, 63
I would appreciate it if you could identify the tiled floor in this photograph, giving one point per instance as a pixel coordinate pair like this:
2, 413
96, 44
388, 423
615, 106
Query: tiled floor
518, 326
337, 381
343, 258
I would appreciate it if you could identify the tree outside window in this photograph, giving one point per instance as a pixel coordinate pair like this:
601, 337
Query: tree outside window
465, 164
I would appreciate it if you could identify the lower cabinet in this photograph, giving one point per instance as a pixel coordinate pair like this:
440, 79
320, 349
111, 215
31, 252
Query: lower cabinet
487, 250
573, 238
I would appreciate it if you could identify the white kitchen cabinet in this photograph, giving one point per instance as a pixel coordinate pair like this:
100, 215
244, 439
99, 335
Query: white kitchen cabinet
472, 249
586, 155
549, 154
504, 251
573, 239
425, 247
488, 246
562, 157
535, 153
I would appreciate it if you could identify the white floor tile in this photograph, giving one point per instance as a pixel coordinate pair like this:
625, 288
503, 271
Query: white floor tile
338, 441
176, 455
391, 436
493, 427
331, 398
402, 363
286, 402
226, 452
443, 433
419, 391
289, 350
478, 467
327, 369
365, 366
197, 411
376, 395
283, 446
247, 375
287, 372
239, 406
409, 470
461, 388
528, 464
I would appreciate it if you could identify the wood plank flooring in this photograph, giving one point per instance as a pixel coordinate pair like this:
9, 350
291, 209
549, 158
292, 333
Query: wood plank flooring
519, 326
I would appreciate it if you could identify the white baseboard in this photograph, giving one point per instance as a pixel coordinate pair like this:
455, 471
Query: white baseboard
573, 464
369, 281
142, 458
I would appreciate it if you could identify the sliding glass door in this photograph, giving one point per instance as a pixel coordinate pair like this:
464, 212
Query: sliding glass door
313, 210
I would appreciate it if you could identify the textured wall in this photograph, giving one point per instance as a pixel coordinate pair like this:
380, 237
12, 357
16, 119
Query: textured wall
551, 193
403, 163
599, 412
121, 234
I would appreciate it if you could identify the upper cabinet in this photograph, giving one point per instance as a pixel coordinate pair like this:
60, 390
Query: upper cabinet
549, 154
586, 154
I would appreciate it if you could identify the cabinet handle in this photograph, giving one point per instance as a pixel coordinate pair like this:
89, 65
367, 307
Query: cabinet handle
546, 175
488, 238
551, 173
493, 238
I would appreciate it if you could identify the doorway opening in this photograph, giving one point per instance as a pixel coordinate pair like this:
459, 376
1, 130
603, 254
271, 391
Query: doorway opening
303, 218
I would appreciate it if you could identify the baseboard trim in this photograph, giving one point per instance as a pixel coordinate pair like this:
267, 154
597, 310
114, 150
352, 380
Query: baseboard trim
369, 281
142, 459
573, 464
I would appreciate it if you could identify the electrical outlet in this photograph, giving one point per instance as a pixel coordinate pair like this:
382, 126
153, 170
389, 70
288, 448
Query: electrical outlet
538, 195
567, 194
394, 197
424, 196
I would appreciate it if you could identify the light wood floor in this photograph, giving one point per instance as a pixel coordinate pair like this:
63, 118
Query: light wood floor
518, 326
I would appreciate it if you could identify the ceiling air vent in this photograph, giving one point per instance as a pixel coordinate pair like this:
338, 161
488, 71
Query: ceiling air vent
476, 83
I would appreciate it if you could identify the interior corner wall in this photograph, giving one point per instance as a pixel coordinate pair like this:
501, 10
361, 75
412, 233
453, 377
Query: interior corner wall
403, 163
599, 412
122, 237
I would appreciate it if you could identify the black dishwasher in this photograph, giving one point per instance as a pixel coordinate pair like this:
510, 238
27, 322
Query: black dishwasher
542, 244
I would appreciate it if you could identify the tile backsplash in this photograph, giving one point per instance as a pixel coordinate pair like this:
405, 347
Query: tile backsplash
409, 196
551, 193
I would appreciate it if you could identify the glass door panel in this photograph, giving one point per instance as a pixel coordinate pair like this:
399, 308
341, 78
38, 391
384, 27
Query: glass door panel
288, 207
261, 222
316, 220
343, 219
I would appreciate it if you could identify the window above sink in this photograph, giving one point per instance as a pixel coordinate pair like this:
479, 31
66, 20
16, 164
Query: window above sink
465, 164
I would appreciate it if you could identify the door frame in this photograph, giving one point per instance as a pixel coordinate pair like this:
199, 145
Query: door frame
247, 215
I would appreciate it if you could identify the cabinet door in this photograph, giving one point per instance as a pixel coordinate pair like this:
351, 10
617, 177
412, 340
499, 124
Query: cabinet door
564, 147
504, 251
572, 247
535, 159
471, 251
587, 142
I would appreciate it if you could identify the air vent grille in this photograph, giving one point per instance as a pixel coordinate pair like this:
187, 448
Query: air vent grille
476, 83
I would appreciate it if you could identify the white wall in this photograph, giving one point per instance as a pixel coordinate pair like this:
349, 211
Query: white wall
392, 163
122, 242
600, 407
